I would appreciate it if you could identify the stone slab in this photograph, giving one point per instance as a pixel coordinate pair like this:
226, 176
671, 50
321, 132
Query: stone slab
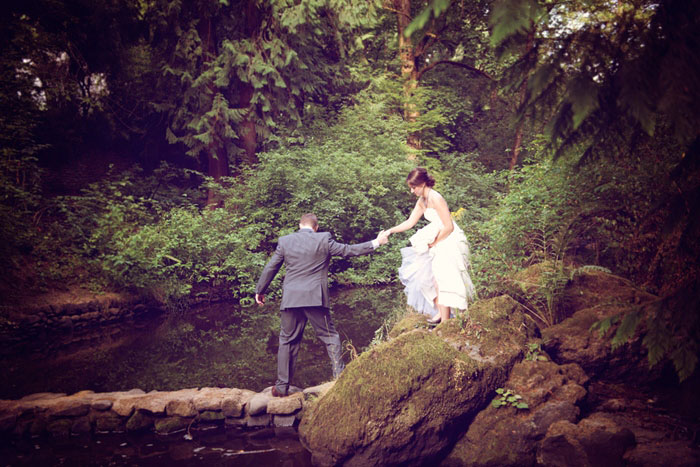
283, 420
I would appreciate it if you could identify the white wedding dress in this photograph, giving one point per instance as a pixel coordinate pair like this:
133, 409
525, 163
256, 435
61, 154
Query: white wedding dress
446, 264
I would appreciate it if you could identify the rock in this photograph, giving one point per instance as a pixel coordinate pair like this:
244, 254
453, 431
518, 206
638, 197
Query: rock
81, 426
592, 288
236, 422
318, 391
172, 424
68, 407
140, 420
502, 313
230, 401
592, 297
124, 406
258, 403
154, 402
101, 404
283, 420
562, 448
7, 422
210, 416
404, 400
181, 407
572, 341
60, 428
409, 323
595, 441
36, 427
232, 407
285, 405
663, 438
257, 421
108, 421
663, 454
209, 399
506, 436
42, 396
541, 381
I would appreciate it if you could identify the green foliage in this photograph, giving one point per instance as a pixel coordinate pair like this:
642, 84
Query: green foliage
258, 68
351, 175
506, 398
598, 69
434, 10
513, 17
533, 352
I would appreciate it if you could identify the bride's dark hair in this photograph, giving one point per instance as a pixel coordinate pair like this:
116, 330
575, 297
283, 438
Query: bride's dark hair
420, 175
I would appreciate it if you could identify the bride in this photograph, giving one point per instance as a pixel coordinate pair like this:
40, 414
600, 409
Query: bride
434, 268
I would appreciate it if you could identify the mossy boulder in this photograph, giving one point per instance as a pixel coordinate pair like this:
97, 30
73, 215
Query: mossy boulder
507, 436
596, 296
506, 315
402, 402
409, 322
590, 287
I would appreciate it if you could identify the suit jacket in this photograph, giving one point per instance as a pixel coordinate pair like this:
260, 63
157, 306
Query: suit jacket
306, 255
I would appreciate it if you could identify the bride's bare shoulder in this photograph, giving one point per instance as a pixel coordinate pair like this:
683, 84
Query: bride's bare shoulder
434, 197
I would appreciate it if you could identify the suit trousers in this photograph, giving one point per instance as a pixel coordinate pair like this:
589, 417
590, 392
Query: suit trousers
292, 324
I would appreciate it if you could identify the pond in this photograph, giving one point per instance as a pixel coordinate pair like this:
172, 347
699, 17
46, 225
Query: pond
217, 345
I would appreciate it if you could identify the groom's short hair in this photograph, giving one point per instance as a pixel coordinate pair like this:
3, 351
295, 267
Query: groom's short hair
309, 219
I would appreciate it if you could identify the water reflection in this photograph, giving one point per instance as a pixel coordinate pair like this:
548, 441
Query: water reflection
219, 345
218, 446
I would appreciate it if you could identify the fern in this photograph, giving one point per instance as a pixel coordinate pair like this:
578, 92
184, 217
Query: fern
685, 359
512, 17
657, 341
604, 325
626, 329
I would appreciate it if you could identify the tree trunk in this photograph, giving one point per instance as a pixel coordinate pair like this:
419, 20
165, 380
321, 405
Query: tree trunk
217, 158
217, 167
409, 71
517, 144
246, 129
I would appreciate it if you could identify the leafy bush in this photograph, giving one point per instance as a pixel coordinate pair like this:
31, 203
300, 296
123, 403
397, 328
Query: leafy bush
351, 175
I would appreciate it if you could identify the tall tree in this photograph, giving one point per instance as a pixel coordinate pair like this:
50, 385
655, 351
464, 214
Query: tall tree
430, 37
238, 81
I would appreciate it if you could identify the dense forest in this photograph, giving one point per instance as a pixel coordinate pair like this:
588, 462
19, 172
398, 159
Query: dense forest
160, 147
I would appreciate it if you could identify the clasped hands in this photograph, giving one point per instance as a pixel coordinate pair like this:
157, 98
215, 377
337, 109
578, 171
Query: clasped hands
383, 237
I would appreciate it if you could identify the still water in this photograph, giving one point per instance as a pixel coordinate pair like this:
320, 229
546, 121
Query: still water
217, 345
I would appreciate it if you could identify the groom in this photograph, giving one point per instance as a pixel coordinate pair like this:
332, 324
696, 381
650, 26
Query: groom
306, 255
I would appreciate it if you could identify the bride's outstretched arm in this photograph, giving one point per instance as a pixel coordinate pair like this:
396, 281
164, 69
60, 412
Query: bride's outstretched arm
410, 222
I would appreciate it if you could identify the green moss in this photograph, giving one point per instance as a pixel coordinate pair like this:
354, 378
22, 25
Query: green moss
171, 424
140, 420
387, 374
495, 327
210, 416
408, 323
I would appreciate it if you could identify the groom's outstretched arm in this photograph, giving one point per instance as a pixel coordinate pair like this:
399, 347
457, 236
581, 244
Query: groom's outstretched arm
343, 249
270, 271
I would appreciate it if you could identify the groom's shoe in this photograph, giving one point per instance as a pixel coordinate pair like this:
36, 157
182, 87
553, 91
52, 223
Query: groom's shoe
276, 393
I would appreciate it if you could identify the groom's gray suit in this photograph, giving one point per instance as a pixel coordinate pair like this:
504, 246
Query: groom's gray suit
306, 255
